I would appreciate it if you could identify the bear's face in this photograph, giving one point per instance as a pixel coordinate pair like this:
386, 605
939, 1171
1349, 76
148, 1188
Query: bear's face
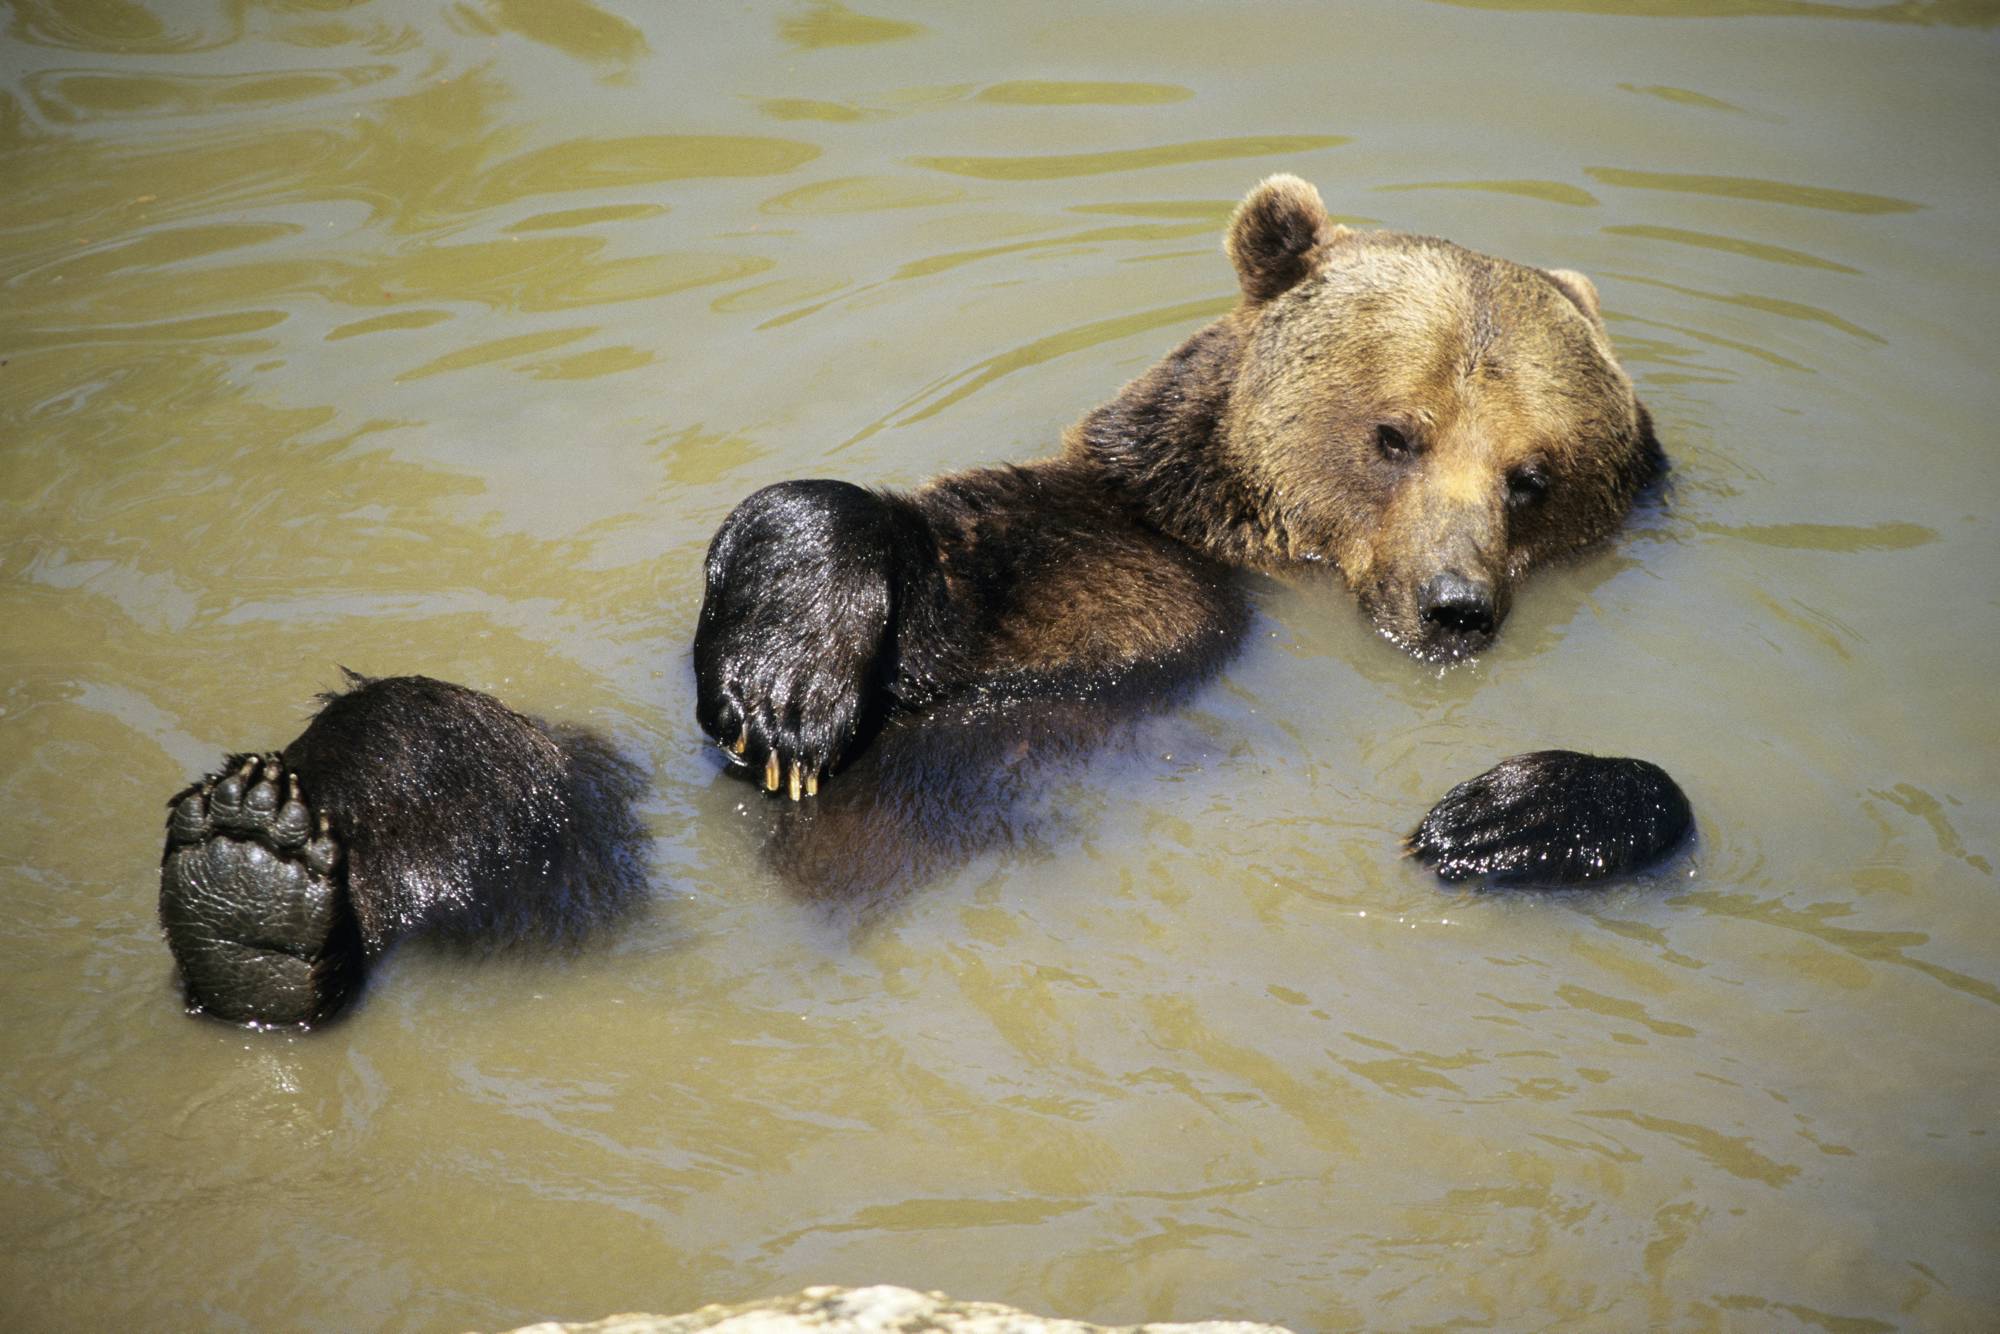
1433, 422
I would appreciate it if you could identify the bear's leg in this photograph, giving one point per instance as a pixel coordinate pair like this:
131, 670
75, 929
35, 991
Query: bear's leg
408, 806
1554, 817
813, 589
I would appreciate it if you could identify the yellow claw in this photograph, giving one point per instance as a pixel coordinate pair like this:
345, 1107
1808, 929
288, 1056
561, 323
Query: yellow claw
742, 741
771, 772
796, 778
812, 783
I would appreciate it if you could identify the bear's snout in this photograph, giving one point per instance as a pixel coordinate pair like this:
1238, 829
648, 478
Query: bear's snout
1454, 605
1458, 615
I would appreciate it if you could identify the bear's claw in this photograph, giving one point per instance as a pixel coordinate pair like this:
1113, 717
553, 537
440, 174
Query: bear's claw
1554, 817
793, 647
253, 899
787, 747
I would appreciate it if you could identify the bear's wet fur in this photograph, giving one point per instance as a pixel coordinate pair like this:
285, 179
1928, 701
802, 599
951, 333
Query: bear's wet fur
1429, 422
407, 807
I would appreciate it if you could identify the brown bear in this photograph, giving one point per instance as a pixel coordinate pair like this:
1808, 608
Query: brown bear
1430, 422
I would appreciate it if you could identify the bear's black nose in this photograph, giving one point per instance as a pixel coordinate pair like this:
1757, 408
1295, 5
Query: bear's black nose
1456, 605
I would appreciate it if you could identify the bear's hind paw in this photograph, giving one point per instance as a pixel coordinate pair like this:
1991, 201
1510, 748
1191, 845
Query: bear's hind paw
253, 899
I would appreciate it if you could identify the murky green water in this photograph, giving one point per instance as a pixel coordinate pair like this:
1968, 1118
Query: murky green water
439, 338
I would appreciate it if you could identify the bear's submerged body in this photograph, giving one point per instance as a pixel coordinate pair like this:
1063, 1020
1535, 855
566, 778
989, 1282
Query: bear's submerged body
1429, 422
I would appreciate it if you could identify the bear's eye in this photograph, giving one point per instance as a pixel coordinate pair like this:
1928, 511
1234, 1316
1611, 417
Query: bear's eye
1392, 442
1527, 484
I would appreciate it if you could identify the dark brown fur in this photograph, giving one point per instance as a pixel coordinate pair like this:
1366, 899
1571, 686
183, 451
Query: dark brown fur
1431, 422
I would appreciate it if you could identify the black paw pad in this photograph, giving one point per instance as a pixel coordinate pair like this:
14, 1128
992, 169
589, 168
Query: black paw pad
253, 901
1554, 817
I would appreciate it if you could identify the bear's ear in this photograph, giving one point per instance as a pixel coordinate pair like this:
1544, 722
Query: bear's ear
1275, 236
1580, 290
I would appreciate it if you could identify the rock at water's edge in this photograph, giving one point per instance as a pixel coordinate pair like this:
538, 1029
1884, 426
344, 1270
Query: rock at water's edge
877, 1310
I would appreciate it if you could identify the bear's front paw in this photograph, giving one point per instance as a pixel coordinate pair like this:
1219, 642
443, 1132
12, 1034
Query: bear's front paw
1554, 817
787, 717
792, 648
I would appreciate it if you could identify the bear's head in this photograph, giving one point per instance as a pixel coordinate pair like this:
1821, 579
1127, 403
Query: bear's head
1432, 422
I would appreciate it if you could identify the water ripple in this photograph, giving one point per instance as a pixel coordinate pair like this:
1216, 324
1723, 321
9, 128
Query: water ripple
827, 24
1734, 245
1040, 93
1552, 192
1754, 188
1055, 166
1770, 305
69, 96
957, 387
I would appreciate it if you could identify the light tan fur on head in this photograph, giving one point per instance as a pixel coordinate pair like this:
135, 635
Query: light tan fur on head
1421, 416
1418, 410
